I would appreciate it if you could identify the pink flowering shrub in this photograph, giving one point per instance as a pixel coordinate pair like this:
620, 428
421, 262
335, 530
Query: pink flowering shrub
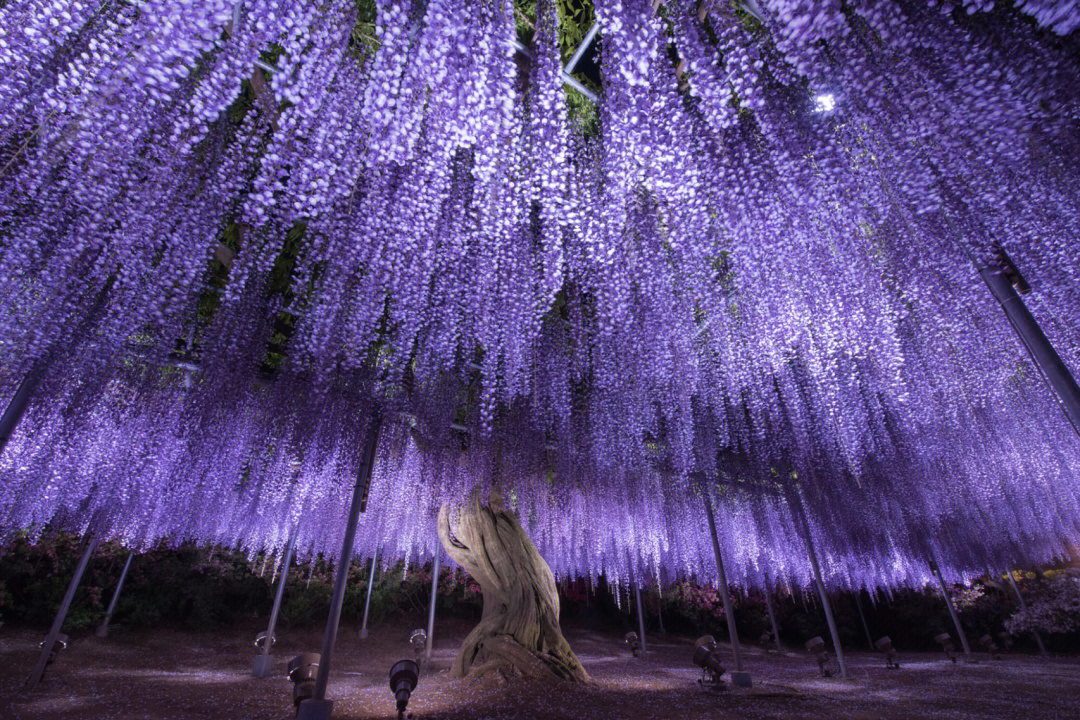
1053, 606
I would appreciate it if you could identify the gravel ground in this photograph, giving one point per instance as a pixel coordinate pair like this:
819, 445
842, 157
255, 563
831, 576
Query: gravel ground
204, 676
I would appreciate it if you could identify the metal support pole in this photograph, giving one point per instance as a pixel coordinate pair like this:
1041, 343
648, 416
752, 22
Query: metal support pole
772, 617
640, 617
580, 52
318, 707
865, 627
949, 604
431, 605
262, 662
1020, 599
1053, 369
15, 409
659, 608
61, 614
828, 609
725, 595
816, 566
103, 628
367, 602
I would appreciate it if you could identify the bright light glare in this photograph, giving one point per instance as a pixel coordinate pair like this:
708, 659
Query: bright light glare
824, 103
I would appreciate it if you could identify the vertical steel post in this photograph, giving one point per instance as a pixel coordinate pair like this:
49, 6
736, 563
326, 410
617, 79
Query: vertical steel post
659, 609
15, 409
949, 604
816, 567
772, 617
262, 662
318, 707
431, 605
103, 628
725, 594
1049, 363
640, 616
367, 602
865, 627
828, 609
61, 614
1020, 599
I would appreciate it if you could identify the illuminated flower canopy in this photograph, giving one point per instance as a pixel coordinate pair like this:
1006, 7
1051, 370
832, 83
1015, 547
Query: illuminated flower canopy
229, 231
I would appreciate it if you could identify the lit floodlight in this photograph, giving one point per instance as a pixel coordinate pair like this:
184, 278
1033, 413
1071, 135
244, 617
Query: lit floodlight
946, 642
260, 641
403, 679
816, 647
884, 645
418, 641
60, 644
707, 657
824, 103
302, 672
634, 642
986, 642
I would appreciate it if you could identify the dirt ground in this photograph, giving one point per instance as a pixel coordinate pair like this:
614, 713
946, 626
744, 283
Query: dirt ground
206, 676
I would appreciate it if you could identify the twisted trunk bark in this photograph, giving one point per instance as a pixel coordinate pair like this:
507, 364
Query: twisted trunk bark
519, 629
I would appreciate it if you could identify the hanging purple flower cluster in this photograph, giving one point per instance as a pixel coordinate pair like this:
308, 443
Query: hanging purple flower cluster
756, 280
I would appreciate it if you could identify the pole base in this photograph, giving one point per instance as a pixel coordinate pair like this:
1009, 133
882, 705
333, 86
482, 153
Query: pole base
741, 679
315, 710
363, 633
264, 665
102, 631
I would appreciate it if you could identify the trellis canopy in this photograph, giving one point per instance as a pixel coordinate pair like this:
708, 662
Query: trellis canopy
726, 250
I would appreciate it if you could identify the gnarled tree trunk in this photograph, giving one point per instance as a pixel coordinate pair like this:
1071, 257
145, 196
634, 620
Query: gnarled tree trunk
519, 630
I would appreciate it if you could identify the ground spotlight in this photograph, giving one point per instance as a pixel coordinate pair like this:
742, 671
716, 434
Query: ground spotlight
403, 679
634, 642
60, 644
418, 641
946, 642
986, 642
816, 647
884, 645
302, 671
707, 657
260, 641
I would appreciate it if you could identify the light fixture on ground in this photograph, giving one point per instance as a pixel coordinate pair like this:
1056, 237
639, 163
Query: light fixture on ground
404, 676
884, 645
634, 642
260, 641
60, 644
816, 647
946, 642
707, 657
302, 672
986, 642
418, 641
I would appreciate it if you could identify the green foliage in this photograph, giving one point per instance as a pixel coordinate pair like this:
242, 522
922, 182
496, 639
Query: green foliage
576, 17
200, 588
